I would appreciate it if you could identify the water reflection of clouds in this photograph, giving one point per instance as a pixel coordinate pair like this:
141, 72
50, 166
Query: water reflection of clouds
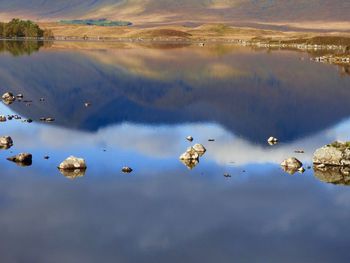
169, 218
166, 142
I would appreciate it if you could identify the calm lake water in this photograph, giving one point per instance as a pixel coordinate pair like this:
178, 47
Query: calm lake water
145, 100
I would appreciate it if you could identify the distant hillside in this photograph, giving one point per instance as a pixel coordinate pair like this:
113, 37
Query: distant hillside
180, 10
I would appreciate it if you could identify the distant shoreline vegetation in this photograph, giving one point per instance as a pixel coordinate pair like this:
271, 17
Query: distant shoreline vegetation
95, 22
17, 28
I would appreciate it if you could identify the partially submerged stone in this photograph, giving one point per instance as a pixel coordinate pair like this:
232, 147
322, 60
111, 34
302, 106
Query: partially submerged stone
335, 154
73, 163
291, 165
3, 118
200, 149
6, 142
22, 159
127, 170
272, 140
190, 154
189, 138
190, 158
301, 170
8, 98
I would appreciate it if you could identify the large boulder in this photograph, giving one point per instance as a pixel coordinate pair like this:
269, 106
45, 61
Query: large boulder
73, 163
335, 154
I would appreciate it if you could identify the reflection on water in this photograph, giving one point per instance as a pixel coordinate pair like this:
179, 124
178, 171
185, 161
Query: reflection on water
334, 175
19, 48
145, 101
252, 94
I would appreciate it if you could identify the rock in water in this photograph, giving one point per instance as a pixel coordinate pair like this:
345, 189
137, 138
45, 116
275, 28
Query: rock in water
335, 154
272, 140
8, 98
127, 170
291, 165
190, 154
3, 118
6, 142
73, 163
199, 148
22, 159
189, 138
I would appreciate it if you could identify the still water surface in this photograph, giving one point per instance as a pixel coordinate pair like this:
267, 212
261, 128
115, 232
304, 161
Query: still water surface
145, 101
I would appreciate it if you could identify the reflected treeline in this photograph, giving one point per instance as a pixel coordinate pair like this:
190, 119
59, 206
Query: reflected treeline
20, 48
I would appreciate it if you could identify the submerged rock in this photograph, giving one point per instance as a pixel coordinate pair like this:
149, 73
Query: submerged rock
73, 163
335, 154
291, 165
22, 159
6, 142
8, 98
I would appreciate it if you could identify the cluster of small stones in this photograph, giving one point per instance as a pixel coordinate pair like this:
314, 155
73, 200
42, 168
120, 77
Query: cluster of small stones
192, 155
303, 46
333, 59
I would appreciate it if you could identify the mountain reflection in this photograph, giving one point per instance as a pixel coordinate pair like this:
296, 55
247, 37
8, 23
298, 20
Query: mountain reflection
252, 94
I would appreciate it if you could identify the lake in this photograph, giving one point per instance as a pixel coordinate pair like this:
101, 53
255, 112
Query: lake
145, 100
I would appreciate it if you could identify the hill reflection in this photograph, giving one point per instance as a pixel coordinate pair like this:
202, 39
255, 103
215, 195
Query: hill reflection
252, 94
